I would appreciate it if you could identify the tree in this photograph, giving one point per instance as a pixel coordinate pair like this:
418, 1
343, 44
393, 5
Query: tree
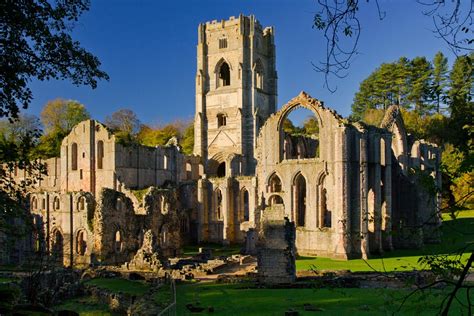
461, 106
440, 79
339, 22
19, 128
63, 115
419, 82
58, 116
187, 141
123, 120
37, 44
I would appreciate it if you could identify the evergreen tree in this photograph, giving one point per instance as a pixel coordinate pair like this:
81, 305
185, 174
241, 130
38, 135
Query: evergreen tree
420, 82
440, 79
461, 106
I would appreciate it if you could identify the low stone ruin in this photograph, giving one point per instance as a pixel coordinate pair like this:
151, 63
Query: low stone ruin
276, 247
147, 257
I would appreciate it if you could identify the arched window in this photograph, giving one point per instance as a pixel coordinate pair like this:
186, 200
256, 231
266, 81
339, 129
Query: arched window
74, 156
224, 75
244, 202
259, 75
56, 203
300, 199
118, 243
34, 203
81, 204
164, 236
275, 199
221, 120
57, 245
221, 170
189, 171
100, 154
81, 243
165, 162
165, 205
301, 134
325, 213
274, 183
218, 204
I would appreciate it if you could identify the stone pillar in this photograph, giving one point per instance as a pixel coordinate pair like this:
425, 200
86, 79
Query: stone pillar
378, 196
203, 211
227, 228
341, 205
364, 189
387, 184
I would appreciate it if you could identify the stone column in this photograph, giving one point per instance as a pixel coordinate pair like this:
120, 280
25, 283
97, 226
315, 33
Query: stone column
364, 188
203, 211
227, 229
387, 184
341, 205
378, 196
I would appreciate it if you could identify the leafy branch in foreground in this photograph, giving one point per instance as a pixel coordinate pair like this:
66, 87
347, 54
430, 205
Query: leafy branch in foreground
36, 42
340, 24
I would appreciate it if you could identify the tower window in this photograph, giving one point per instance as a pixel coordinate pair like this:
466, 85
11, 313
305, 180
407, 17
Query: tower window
221, 120
74, 156
222, 43
224, 75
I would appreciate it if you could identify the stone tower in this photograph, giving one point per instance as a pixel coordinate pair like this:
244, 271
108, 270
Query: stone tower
236, 91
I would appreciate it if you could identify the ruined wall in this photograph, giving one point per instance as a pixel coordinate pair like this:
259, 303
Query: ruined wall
276, 247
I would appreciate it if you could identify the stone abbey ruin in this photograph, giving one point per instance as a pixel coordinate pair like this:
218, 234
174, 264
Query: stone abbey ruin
347, 192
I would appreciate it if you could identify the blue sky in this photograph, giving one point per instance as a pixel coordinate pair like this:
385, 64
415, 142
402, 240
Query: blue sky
148, 48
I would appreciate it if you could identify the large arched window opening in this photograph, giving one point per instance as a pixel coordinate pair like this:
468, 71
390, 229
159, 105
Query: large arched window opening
118, 242
259, 75
221, 170
81, 243
274, 183
218, 204
300, 134
74, 156
300, 199
326, 216
58, 245
244, 203
100, 154
224, 75
34, 203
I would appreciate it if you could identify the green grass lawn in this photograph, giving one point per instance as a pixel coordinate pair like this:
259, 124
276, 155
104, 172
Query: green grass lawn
238, 299
455, 234
217, 249
85, 306
121, 285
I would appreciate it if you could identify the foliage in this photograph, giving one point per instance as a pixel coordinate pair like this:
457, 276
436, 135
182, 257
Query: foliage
462, 189
340, 24
440, 79
16, 129
123, 120
37, 44
187, 141
414, 84
310, 127
58, 117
